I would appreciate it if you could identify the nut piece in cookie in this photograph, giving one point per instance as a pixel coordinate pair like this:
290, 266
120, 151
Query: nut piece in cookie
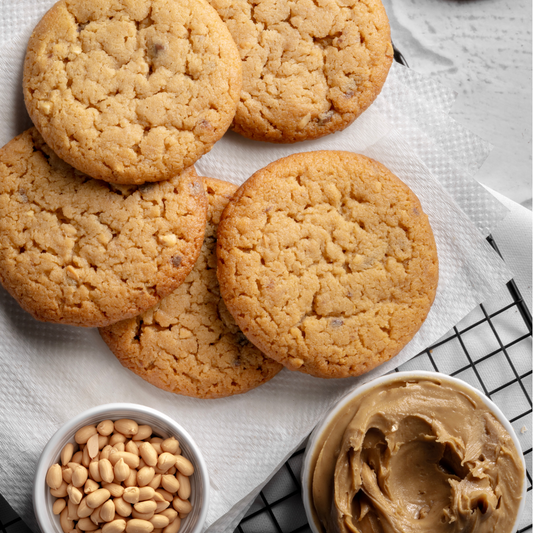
189, 343
78, 251
327, 262
130, 92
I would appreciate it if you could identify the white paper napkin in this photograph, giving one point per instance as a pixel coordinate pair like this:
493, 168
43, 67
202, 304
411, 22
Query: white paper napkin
51, 373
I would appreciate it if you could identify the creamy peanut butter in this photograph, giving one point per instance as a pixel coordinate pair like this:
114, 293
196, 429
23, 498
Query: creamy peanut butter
416, 456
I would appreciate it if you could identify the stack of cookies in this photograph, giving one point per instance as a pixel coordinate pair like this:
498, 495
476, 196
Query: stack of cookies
325, 262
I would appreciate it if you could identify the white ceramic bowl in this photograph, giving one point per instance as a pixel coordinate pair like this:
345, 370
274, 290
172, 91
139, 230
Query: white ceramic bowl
162, 425
313, 439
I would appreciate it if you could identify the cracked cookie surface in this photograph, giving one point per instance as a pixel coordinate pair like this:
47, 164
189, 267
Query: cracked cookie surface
79, 251
327, 262
130, 92
189, 343
309, 68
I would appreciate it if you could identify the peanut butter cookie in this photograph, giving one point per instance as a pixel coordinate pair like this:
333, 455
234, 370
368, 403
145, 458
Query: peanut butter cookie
327, 262
309, 68
78, 251
189, 343
130, 92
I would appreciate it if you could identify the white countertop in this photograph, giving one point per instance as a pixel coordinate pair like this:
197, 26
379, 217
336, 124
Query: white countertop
482, 50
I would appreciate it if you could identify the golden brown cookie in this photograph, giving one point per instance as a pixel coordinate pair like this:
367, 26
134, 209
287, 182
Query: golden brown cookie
84, 252
188, 343
130, 92
309, 68
327, 262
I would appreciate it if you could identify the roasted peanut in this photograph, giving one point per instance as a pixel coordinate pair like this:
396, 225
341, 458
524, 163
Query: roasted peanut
156, 482
148, 453
90, 486
95, 516
156, 497
83, 509
74, 494
129, 458
132, 447
173, 527
92, 446
182, 506
143, 432
146, 493
61, 492
168, 497
122, 508
116, 438
116, 526
79, 476
83, 434
139, 526
86, 524
165, 461
106, 450
102, 442
184, 465
132, 479
141, 516
94, 471
145, 475
66, 453
108, 511
148, 506
67, 474
97, 498
54, 476
119, 446
185, 486
159, 521
171, 514
127, 427
170, 483
161, 506
131, 495
106, 471
116, 490
85, 458
121, 470
157, 447
66, 524
105, 428
170, 445
77, 457
72, 510
58, 506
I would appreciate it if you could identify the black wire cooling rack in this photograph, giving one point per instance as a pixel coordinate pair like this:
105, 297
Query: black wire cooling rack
279, 507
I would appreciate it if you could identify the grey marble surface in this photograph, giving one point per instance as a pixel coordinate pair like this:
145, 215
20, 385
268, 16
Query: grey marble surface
482, 50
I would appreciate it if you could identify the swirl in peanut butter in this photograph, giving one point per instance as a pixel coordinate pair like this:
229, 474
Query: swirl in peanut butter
417, 457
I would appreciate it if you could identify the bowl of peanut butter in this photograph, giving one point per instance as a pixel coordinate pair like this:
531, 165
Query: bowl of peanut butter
414, 452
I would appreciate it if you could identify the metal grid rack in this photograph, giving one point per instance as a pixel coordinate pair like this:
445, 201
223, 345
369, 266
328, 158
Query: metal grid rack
279, 507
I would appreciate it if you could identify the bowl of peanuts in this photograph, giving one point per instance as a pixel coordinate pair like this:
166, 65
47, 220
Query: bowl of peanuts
121, 468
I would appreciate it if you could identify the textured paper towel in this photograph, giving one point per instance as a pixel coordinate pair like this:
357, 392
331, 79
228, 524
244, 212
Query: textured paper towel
50, 373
